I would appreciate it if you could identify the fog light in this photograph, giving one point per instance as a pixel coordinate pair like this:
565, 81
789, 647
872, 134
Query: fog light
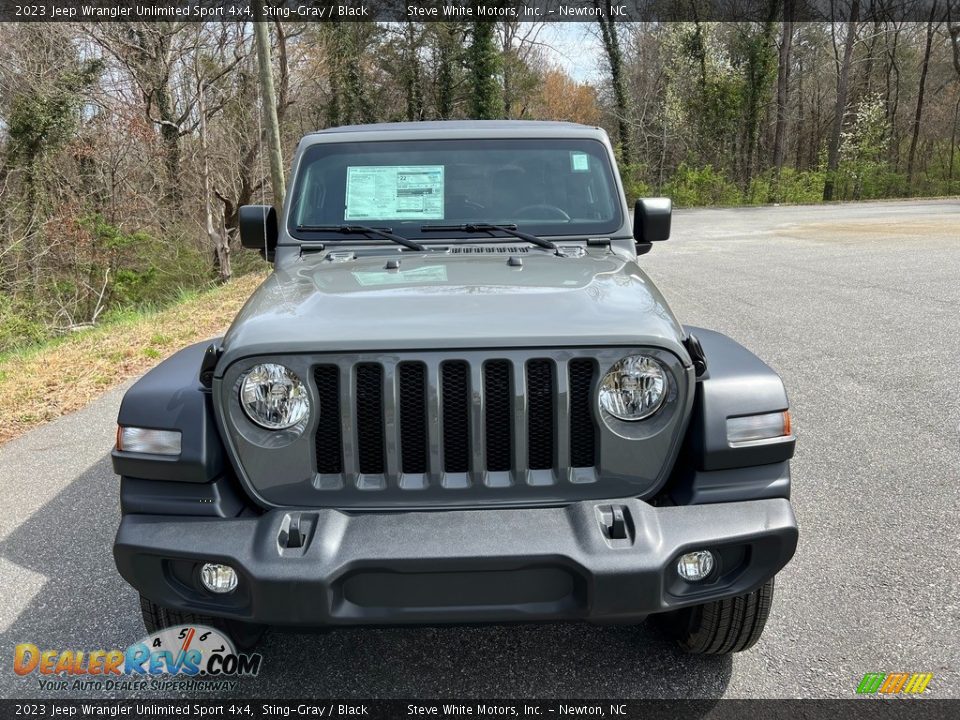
218, 578
695, 565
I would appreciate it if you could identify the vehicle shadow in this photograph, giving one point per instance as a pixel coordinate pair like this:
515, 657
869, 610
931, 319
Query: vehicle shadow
83, 604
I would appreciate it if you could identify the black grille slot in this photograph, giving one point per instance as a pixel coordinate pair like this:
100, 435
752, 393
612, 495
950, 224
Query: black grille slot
540, 414
329, 442
496, 390
413, 417
455, 378
370, 418
582, 431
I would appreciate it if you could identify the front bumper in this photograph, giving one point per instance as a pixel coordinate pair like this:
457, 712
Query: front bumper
491, 565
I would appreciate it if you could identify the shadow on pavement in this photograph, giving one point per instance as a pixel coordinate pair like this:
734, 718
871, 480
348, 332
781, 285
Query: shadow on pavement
85, 605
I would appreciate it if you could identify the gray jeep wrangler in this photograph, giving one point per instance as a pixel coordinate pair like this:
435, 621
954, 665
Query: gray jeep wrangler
457, 399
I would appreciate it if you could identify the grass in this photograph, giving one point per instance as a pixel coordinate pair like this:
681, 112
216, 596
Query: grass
40, 384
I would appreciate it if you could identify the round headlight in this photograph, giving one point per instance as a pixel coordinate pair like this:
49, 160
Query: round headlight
274, 397
634, 388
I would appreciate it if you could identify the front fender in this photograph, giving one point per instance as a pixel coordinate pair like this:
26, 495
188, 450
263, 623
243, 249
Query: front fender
170, 397
736, 383
709, 470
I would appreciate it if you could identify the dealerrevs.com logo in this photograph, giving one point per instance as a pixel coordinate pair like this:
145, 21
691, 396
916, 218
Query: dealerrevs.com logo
195, 656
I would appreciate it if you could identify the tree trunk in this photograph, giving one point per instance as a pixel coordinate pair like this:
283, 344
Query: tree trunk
783, 90
507, 64
843, 82
351, 64
170, 134
953, 144
800, 117
412, 83
816, 125
893, 98
759, 62
247, 179
871, 57
445, 80
483, 58
920, 92
334, 108
268, 104
954, 30
611, 44
218, 240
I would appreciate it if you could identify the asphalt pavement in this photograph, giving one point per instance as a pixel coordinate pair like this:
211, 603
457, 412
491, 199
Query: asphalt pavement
857, 307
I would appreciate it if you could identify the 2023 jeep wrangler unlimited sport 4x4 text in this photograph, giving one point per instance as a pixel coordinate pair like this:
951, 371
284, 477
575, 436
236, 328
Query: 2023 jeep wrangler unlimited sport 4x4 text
458, 398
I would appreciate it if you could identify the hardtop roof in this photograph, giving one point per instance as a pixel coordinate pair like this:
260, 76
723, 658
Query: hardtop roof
441, 125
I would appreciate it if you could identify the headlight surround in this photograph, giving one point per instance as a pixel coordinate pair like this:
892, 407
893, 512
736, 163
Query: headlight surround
634, 388
273, 397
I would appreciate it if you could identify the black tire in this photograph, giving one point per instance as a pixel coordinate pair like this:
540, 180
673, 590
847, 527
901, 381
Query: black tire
722, 626
245, 636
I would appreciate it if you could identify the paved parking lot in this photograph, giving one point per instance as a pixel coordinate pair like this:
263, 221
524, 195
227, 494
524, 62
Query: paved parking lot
857, 306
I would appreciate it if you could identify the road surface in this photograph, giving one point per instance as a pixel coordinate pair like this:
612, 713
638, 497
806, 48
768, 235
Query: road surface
857, 306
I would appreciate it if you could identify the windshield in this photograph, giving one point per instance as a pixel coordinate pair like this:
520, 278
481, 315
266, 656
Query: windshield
543, 186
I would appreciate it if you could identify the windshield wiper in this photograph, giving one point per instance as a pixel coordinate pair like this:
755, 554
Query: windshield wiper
386, 233
490, 228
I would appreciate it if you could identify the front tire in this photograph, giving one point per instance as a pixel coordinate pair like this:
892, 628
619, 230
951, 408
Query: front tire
245, 636
722, 626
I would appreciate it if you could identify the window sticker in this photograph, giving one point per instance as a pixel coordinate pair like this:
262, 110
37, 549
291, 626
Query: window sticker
394, 192
579, 162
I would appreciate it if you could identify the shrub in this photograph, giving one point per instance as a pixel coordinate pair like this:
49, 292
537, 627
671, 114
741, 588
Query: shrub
17, 326
692, 187
145, 271
794, 187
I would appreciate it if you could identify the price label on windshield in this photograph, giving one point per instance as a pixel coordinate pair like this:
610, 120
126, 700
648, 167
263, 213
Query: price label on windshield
579, 162
394, 192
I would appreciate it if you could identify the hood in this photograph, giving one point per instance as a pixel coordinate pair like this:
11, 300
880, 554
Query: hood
345, 302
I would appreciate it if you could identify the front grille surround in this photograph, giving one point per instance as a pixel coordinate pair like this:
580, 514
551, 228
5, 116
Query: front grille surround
498, 420
557, 448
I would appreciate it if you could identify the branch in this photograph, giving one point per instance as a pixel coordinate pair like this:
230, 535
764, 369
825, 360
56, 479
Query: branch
228, 205
99, 306
954, 40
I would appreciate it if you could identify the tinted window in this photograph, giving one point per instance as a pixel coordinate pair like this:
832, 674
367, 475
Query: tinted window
546, 187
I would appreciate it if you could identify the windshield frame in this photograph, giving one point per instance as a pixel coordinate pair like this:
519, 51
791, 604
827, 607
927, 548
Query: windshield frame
411, 229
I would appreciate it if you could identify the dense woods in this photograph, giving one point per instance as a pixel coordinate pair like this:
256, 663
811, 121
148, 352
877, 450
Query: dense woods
126, 149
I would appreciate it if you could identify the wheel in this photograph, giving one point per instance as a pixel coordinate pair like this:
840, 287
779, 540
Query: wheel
155, 618
722, 626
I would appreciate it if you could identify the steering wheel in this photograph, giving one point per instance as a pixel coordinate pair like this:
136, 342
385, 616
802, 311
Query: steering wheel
552, 210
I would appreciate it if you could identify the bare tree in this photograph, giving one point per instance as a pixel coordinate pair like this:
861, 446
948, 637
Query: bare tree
954, 30
217, 236
783, 87
610, 36
924, 66
248, 133
269, 105
156, 55
521, 64
843, 83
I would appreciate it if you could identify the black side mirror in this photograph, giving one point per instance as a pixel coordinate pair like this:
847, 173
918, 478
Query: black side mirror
258, 229
651, 222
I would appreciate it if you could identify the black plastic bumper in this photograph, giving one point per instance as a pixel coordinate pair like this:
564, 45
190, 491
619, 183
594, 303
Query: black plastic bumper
456, 566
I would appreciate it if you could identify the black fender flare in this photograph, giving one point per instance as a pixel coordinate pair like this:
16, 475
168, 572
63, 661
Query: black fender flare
736, 383
170, 397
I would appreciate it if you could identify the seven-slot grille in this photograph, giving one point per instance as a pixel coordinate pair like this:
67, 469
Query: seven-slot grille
456, 423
